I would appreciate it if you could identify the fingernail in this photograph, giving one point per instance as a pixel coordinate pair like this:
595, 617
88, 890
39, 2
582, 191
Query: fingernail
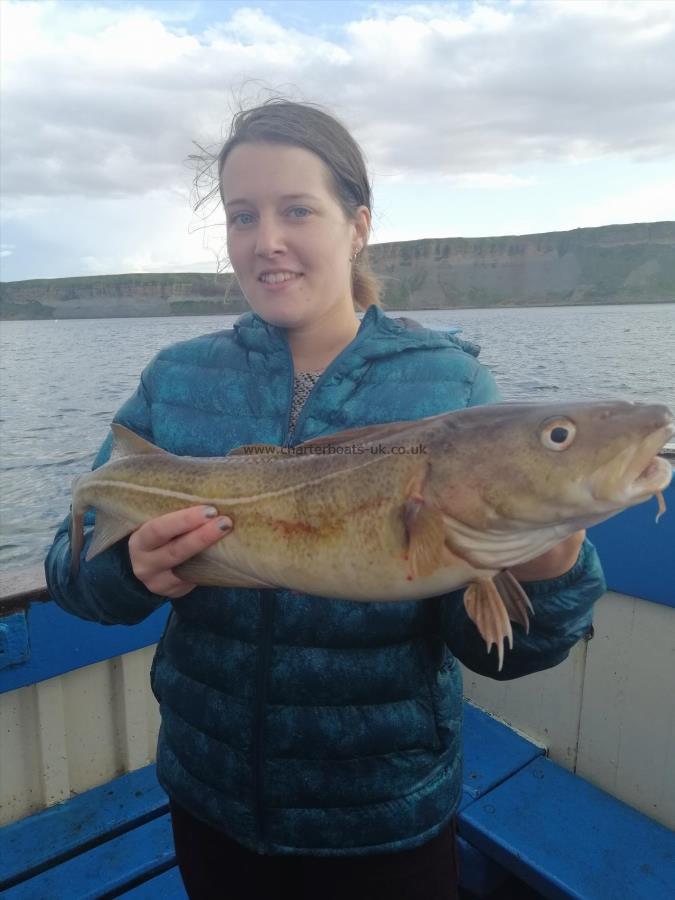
210, 512
224, 524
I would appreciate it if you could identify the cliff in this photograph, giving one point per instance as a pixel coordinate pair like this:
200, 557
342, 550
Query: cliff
613, 264
117, 296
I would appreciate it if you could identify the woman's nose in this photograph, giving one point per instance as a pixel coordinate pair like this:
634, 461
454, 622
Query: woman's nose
270, 238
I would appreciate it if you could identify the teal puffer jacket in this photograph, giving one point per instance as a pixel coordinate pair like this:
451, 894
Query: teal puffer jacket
299, 724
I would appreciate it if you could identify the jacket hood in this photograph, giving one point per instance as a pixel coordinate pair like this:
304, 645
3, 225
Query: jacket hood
378, 335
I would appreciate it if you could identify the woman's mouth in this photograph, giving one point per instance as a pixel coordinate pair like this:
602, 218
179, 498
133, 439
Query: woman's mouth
276, 280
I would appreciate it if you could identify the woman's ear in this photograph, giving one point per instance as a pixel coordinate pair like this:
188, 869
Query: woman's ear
362, 222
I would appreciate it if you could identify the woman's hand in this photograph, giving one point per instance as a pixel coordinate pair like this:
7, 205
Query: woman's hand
165, 542
553, 563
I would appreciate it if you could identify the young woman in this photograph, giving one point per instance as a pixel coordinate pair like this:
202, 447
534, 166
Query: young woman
309, 746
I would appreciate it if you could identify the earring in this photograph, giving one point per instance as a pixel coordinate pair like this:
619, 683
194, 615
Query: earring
356, 253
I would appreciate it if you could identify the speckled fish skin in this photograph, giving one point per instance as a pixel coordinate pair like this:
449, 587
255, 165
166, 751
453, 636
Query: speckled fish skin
400, 511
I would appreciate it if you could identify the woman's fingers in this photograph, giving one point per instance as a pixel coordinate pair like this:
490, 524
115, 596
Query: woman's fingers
166, 584
163, 543
185, 546
159, 531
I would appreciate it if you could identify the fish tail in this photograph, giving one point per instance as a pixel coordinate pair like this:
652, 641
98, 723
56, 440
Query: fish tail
76, 532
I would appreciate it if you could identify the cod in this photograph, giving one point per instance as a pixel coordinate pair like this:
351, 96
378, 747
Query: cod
400, 511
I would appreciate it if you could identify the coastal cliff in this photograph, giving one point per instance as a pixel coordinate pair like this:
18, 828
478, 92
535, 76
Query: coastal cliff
613, 264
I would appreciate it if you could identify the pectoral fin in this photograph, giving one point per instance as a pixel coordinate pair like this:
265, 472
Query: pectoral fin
425, 529
487, 611
425, 538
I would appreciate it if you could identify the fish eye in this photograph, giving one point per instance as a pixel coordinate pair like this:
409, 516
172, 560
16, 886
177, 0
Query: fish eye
558, 434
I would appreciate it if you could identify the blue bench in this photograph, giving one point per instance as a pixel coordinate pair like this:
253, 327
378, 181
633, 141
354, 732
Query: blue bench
520, 814
566, 838
104, 840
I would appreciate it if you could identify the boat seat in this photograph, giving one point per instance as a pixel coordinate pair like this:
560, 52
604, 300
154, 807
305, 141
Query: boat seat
567, 838
117, 838
102, 841
520, 814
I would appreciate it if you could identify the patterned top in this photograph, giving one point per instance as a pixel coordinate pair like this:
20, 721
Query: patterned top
303, 382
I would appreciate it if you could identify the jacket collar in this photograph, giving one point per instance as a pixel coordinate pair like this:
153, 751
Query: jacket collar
378, 335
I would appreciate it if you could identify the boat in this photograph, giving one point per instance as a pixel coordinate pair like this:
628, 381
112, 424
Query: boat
569, 783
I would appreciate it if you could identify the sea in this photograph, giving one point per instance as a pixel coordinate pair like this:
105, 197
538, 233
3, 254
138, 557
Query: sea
62, 381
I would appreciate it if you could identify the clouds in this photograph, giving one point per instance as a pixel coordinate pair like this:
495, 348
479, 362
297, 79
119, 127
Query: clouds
103, 101
110, 101
505, 85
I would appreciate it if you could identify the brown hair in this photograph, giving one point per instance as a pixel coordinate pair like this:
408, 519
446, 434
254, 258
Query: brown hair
307, 125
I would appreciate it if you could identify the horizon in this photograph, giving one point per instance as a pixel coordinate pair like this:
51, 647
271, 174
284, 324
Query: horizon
501, 118
411, 240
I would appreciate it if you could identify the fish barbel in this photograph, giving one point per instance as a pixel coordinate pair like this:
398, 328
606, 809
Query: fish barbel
399, 511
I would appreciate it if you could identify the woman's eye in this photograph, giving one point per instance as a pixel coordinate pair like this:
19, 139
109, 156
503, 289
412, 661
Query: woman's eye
245, 218
238, 218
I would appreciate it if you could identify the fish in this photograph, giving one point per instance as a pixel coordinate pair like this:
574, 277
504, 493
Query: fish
397, 511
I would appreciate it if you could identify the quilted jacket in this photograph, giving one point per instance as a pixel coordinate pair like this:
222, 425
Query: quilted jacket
293, 723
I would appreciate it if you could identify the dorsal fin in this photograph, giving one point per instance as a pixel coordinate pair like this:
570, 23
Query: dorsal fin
259, 450
128, 443
366, 433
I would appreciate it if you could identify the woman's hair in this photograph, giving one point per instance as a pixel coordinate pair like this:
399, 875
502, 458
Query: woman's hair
305, 125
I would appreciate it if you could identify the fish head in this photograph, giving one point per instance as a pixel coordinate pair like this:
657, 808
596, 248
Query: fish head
523, 464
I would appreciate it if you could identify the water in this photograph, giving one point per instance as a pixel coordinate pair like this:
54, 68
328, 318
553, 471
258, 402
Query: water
61, 382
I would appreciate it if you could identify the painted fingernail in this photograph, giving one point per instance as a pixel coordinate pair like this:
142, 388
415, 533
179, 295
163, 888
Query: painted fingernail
210, 512
224, 524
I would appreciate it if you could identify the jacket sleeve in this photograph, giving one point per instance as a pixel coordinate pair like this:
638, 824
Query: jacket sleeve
563, 610
484, 389
105, 589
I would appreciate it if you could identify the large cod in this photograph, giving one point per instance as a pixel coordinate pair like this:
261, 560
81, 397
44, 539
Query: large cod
399, 511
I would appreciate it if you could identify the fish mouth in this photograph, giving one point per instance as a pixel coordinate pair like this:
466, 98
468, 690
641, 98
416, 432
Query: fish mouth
647, 473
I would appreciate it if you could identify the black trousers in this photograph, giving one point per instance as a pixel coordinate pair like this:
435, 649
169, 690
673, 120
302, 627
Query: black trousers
214, 867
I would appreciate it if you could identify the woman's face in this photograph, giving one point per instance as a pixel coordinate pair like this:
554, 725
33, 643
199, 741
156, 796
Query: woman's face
283, 221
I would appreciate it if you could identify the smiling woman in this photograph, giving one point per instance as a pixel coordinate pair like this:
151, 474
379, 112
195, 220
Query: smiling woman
293, 262
310, 745
298, 201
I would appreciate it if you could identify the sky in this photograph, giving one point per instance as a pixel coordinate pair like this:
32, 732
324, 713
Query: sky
476, 118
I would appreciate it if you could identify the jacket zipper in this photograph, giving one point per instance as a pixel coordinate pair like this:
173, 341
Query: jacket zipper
267, 610
286, 440
267, 604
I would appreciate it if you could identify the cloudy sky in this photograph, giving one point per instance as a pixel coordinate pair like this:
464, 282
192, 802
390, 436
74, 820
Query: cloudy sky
477, 118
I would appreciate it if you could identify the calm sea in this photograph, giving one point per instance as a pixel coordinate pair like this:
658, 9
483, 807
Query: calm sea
62, 381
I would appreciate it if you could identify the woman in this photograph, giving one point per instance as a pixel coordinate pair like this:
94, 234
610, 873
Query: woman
309, 746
